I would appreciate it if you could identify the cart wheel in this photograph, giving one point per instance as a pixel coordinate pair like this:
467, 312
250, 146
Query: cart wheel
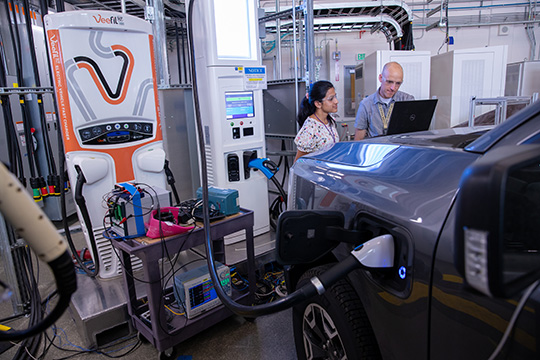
141, 338
168, 354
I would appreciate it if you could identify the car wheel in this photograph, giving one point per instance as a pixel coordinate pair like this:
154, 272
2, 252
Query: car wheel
333, 325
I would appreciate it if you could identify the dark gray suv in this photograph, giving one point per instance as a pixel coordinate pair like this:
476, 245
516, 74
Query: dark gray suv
463, 209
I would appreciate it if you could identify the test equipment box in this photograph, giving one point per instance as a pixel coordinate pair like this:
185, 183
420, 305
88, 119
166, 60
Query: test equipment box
130, 208
224, 200
194, 289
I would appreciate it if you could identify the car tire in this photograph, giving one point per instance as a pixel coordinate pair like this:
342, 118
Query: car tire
333, 325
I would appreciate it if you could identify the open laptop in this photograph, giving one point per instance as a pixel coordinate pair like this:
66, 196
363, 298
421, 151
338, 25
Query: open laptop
411, 115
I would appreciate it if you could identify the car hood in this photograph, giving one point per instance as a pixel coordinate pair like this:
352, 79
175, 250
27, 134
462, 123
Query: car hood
370, 151
405, 176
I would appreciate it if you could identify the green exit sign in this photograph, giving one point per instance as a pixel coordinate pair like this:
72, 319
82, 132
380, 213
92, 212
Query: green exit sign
360, 56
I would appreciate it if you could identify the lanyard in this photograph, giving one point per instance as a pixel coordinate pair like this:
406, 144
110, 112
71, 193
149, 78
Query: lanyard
386, 118
329, 129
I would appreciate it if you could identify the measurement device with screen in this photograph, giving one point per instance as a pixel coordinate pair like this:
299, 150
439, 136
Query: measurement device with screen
195, 291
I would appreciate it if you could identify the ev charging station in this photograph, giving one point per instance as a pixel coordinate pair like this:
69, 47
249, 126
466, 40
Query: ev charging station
103, 69
230, 79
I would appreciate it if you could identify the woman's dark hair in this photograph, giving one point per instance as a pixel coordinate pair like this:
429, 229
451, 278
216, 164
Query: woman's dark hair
317, 92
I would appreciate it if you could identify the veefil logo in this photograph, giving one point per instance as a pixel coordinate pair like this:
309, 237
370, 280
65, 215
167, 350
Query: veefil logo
54, 47
111, 20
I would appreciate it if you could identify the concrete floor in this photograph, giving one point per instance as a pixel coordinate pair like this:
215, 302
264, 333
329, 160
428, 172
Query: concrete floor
267, 337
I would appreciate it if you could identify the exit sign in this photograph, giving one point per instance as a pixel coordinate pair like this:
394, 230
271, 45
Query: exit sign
360, 56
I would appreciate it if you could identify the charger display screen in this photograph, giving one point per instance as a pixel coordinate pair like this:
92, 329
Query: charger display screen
239, 105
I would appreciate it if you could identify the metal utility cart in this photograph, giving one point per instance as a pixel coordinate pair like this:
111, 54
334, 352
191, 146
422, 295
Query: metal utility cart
166, 332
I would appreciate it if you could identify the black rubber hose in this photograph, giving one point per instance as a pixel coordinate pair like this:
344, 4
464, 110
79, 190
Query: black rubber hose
184, 29
339, 271
15, 40
177, 38
44, 11
11, 136
16, 163
16, 51
66, 282
81, 202
275, 207
44, 134
69, 239
30, 345
171, 181
280, 189
60, 6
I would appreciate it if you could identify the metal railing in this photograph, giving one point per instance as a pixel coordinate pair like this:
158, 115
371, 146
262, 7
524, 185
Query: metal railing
501, 106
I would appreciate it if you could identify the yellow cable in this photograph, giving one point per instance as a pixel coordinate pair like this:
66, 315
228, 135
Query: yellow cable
168, 308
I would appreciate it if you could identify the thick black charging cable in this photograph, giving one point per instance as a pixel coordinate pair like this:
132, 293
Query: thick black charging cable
81, 203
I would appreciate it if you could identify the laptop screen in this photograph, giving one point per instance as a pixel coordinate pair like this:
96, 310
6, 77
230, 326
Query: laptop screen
411, 115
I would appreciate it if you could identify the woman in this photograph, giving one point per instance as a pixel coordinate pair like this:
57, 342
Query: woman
318, 128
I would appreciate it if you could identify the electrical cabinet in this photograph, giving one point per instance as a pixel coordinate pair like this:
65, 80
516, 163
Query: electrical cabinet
522, 78
459, 75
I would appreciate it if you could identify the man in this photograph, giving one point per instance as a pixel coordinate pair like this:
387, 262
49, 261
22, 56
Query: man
375, 110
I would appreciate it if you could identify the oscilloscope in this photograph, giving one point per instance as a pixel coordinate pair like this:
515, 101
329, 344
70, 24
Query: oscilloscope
195, 292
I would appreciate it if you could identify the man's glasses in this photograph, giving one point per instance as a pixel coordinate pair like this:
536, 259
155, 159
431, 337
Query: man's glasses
390, 82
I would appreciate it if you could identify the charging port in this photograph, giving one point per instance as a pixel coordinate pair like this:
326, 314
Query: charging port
248, 156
